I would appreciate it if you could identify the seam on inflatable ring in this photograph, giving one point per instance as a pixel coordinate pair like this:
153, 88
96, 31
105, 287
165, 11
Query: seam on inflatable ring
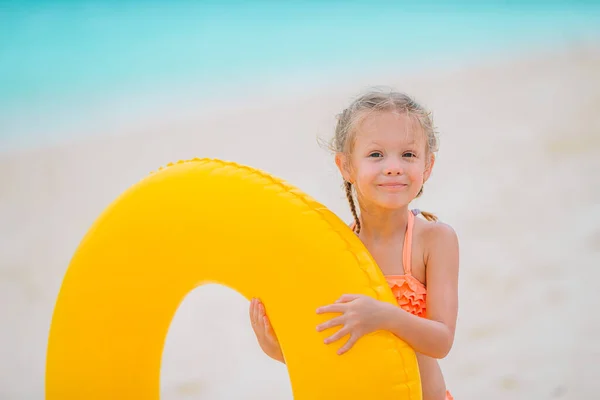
313, 205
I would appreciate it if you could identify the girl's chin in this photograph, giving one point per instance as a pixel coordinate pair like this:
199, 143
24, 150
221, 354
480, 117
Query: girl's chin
392, 205
389, 202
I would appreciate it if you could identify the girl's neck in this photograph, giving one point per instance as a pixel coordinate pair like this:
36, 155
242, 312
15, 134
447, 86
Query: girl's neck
382, 224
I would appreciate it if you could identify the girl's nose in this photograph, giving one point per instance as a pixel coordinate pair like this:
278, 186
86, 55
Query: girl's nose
393, 168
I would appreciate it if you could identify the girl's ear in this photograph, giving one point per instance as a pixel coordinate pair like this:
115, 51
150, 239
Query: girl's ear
428, 167
342, 162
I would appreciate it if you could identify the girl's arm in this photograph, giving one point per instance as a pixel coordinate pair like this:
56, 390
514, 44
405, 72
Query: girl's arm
432, 336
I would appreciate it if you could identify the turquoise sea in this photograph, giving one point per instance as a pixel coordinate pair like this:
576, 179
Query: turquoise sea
56, 57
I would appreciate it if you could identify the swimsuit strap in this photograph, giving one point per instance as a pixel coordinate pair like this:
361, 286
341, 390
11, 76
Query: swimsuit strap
407, 248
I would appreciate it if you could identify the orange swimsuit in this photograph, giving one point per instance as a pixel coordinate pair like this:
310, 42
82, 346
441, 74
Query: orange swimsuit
410, 293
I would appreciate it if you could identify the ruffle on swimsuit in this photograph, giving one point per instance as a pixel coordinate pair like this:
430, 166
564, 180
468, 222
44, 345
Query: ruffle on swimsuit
410, 293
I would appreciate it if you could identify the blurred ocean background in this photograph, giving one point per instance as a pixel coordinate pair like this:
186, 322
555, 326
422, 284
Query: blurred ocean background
94, 95
63, 62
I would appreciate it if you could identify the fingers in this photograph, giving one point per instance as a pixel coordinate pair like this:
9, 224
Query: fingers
260, 322
269, 329
347, 297
348, 345
337, 336
262, 317
332, 308
331, 323
338, 305
255, 314
252, 313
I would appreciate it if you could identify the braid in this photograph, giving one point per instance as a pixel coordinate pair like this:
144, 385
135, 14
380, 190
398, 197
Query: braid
428, 216
348, 187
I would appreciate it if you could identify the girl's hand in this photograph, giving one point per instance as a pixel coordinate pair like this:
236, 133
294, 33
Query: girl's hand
361, 315
264, 331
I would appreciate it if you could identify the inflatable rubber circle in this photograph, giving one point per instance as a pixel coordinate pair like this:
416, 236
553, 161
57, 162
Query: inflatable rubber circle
209, 221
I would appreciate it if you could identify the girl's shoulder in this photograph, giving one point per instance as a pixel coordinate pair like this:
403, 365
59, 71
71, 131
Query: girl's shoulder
437, 250
433, 233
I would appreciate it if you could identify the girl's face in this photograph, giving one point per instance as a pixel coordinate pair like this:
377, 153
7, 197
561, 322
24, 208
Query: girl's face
388, 162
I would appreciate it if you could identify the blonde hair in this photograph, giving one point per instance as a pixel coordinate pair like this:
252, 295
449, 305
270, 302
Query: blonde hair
377, 101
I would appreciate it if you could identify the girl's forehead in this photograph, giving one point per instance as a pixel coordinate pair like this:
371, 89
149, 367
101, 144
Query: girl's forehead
389, 127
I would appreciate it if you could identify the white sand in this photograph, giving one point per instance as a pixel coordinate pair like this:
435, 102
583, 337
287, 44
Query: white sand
517, 176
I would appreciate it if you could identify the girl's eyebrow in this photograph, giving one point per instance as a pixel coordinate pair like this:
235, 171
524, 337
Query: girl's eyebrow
411, 143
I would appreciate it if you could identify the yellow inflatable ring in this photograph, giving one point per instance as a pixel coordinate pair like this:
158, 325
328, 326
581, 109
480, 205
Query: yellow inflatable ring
209, 221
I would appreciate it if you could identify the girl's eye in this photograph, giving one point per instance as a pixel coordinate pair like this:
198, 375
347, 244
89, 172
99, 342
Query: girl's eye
409, 154
376, 154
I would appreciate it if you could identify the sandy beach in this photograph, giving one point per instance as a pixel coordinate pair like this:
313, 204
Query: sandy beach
516, 176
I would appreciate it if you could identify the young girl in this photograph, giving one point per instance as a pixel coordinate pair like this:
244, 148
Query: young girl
385, 144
